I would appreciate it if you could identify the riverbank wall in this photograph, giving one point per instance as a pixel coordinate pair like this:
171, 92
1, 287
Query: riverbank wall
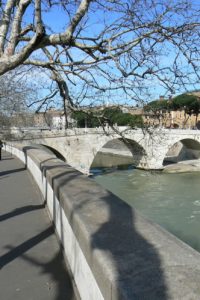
113, 252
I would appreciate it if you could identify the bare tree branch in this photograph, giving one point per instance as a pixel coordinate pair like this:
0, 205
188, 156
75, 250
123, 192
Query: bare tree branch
108, 49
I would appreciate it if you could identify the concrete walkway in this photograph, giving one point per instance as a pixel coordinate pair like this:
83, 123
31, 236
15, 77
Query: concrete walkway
31, 262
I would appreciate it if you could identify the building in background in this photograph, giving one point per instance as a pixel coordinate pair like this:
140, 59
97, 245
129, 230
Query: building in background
51, 119
154, 116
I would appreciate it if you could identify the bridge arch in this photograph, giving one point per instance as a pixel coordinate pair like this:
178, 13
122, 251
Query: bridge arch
182, 149
118, 151
53, 150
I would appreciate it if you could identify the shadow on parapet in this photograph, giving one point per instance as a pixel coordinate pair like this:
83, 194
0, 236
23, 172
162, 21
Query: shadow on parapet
130, 261
137, 264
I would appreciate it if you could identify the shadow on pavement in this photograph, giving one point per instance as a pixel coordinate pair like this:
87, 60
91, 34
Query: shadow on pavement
7, 158
60, 279
12, 171
20, 211
19, 250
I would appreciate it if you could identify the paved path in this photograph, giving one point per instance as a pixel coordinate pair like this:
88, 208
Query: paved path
31, 262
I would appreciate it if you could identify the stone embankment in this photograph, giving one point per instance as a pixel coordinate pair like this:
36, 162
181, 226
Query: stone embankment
183, 166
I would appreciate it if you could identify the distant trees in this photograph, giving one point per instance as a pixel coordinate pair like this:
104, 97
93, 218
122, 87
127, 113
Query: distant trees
84, 119
107, 117
156, 105
190, 103
116, 116
187, 102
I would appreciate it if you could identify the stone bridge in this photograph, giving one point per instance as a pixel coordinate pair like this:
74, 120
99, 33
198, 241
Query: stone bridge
79, 147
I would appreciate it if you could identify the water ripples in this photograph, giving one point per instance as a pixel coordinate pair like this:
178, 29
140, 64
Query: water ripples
171, 200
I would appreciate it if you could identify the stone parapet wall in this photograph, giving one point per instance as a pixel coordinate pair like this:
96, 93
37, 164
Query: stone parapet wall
113, 252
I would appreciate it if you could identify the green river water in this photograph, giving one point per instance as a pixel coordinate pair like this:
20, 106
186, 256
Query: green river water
171, 200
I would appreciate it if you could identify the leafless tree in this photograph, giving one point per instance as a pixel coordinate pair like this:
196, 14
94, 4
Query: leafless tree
119, 50
15, 89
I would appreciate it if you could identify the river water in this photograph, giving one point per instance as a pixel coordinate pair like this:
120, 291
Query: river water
171, 200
